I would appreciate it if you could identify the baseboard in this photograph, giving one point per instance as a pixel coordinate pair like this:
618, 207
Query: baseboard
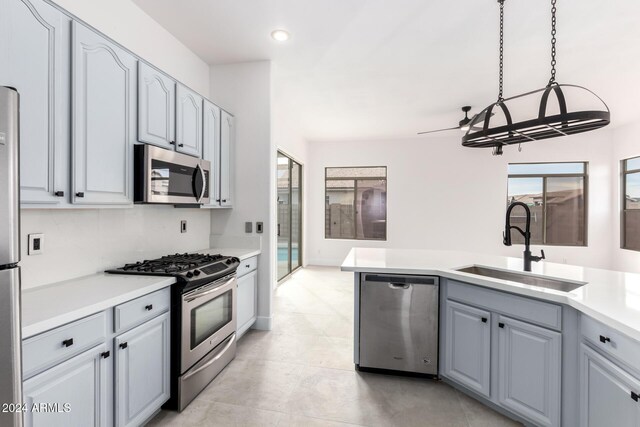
263, 323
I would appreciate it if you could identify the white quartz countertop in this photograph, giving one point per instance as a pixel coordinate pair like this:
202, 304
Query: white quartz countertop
611, 297
47, 307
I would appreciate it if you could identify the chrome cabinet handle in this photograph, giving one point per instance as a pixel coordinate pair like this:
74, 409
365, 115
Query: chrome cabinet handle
212, 361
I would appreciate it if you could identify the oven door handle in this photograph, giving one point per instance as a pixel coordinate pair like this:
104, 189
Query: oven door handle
212, 361
191, 297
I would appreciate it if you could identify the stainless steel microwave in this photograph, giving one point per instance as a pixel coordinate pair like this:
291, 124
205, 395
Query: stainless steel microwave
164, 176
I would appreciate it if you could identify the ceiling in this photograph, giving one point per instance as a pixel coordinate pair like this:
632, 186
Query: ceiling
377, 69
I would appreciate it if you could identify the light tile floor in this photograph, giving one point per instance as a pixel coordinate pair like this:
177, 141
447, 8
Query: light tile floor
302, 374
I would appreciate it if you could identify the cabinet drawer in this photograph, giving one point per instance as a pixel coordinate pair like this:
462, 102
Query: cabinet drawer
522, 308
247, 266
141, 309
60, 344
611, 341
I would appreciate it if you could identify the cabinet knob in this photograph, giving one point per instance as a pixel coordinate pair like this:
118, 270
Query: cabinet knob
105, 354
59, 194
172, 142
484, 320
180, 145
501, 325
635, 396
124, 345
224, 200
68, 343
148, 307
80, 194
604, 339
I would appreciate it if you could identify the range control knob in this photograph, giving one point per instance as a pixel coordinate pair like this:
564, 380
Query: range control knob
189, 274
196, 272
228, 261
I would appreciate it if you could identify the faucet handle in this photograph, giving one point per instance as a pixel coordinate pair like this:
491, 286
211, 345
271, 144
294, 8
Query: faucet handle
542, 252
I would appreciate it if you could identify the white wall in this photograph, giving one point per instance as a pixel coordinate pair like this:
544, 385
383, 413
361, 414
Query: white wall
80, 242
126, 23
625, 145
444, 196
245, 90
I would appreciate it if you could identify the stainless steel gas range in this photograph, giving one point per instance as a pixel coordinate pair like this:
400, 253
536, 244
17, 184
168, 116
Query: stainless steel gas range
203, 318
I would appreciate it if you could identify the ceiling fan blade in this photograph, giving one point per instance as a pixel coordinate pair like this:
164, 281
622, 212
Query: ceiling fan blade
439, 130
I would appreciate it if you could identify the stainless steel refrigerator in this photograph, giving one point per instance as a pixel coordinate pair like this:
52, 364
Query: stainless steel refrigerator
10, 322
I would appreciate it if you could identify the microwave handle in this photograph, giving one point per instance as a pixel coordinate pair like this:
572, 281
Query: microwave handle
204, 184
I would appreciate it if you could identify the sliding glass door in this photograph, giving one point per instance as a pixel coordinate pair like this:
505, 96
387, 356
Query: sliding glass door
289, 215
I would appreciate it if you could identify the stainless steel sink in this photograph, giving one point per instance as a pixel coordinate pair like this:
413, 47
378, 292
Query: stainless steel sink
527, 279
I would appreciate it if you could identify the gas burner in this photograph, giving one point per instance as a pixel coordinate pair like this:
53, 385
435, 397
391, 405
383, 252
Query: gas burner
189, 269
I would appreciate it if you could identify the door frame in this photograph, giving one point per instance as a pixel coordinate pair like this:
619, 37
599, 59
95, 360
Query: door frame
280, 152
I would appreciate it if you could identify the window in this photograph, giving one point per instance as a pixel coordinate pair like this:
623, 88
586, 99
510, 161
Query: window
356, 203
555, 194
631, 204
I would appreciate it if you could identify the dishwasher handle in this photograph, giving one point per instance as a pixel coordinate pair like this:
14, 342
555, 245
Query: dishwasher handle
399, 285
397, 279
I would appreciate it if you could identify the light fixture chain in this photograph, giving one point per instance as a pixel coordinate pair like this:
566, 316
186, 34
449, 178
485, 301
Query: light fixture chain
501, 83
553, 42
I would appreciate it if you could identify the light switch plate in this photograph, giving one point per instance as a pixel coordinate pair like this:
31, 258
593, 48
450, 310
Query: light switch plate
259, 227
183, 226
36, 242
248, 227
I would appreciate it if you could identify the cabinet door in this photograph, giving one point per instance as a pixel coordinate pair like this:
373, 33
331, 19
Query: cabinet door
142, 371
606, 393
188, 122
211, 149
77, 389
468, 347
156, 107
529, 365
227, 142
104, 119
35, 56
247, 302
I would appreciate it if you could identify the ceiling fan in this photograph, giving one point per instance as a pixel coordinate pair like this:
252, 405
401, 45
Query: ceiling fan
463, 124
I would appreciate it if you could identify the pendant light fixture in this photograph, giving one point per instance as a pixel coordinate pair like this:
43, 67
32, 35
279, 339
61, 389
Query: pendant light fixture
543, 124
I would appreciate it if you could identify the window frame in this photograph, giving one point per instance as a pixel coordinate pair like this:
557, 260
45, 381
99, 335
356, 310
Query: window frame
584, 175
623, 210
355, 193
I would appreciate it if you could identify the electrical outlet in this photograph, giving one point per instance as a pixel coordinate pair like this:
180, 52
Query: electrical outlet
36, 242
183, 226
259, 227
248, 227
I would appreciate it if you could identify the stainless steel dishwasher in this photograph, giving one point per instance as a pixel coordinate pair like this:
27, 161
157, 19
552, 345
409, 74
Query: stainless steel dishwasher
399, 323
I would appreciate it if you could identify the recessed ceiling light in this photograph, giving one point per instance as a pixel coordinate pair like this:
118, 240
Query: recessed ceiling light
280, 35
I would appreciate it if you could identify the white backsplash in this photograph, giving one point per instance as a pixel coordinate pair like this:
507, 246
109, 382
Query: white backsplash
79, 242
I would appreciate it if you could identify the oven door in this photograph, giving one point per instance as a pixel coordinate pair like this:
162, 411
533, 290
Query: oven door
174, 178
208, 318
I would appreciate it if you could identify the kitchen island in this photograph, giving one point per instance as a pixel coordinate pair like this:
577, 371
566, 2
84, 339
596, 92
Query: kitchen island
540, 355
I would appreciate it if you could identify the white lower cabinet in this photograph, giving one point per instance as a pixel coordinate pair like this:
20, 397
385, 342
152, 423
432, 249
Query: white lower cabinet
609, 394
529, 364
513, 363
247, 301
142, 371
71, 394
468, 347
247, 295
122, 379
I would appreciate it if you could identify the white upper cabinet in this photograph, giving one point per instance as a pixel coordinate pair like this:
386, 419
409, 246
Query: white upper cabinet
34, 54
156, 107
188, 122
227, 148
211, 149
103, 119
